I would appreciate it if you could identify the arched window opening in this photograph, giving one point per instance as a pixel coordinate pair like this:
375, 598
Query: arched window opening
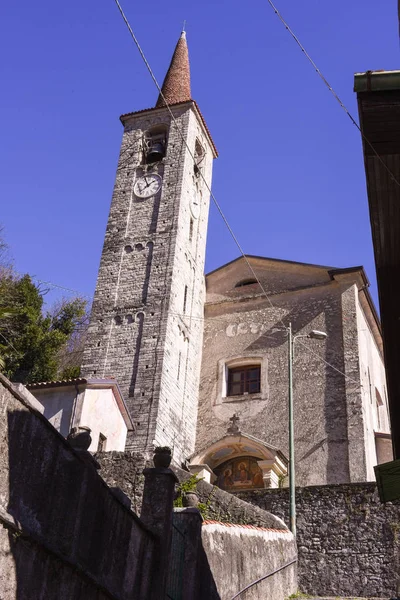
155, 144
245, 282
199, 156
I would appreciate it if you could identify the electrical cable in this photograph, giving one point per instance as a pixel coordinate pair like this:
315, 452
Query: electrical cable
189, 150
330, 88
201, 174
55, 285
208, 319
358, 383
324, 80
208, 187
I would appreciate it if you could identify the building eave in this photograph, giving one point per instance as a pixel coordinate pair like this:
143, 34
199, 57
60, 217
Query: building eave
376, 81
267, 258
125, 117
90, 383
240, 434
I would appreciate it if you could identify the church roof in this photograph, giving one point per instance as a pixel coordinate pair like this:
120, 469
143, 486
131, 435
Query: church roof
278, 260
221, 282
176, 86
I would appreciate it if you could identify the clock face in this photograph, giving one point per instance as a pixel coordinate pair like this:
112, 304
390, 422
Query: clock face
195, 205
147, 185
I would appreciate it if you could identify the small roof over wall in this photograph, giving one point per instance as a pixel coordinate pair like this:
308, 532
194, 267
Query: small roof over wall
237, 445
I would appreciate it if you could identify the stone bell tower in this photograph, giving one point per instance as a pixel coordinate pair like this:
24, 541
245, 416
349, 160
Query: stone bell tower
146, 325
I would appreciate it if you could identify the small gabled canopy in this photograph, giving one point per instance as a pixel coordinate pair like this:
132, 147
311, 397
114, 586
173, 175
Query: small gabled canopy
237, 445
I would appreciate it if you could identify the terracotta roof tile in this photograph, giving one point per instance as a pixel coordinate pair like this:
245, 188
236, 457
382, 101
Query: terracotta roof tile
63, 382
211, 522
176, 86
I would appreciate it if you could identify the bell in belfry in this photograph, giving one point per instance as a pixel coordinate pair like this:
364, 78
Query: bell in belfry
155, 152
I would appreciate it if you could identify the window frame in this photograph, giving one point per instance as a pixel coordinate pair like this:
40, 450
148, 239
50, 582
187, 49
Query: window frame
245, 381
220, 393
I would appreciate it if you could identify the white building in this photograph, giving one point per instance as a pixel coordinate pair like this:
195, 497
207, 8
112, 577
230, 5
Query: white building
94, 403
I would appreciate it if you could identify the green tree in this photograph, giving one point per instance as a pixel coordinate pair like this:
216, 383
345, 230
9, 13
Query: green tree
32, 341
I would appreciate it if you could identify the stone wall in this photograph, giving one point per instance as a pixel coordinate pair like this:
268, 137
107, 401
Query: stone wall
348, 542
220, 560
64, 534
242, 557
123, 470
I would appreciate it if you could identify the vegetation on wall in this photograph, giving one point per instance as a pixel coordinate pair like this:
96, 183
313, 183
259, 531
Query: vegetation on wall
186, 487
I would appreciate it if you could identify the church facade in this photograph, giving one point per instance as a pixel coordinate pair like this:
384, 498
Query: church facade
202, 364
341, 426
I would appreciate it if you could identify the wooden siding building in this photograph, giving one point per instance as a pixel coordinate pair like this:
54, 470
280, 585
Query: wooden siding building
378, 94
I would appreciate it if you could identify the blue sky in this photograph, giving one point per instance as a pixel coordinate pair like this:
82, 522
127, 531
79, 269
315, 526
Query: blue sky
290, 175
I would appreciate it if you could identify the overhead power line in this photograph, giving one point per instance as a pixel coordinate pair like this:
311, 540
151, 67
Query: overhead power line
330, 88
55, 285
201, 174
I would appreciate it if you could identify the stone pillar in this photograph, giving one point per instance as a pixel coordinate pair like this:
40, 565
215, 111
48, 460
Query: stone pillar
158, 499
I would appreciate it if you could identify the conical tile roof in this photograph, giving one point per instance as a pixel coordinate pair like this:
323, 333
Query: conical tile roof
176, 86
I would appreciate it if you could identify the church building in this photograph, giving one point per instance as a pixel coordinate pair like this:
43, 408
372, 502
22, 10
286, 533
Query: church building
201, 363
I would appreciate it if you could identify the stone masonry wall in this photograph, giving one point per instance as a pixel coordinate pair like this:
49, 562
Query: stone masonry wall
348, 542
252, 330
241, 327
145, 330
123, 470
240, 556
63, 533
178, 401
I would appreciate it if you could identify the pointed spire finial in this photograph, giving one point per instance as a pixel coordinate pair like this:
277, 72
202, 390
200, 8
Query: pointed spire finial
176, 86
184, 27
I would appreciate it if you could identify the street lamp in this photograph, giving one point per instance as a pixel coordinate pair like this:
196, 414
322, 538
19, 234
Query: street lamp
316, 335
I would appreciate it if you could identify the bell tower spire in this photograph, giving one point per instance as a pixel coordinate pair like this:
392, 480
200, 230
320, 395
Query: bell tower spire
146, 326
176, 86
